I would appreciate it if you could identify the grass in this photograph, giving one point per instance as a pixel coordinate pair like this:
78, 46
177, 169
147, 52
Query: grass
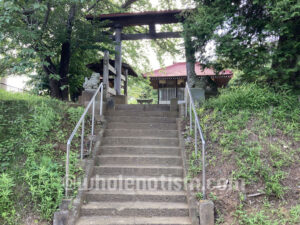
253, 134
32, 153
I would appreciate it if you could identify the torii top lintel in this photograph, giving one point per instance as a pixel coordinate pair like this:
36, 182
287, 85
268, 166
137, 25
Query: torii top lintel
140, 18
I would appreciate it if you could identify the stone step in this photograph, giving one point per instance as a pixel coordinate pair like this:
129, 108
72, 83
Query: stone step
155, 150
141, 113
128, 195
108, 220
111, 169
139, 160
137, 183
145, 209
140, 119
135, 107
140, 141
159, 126
140, 133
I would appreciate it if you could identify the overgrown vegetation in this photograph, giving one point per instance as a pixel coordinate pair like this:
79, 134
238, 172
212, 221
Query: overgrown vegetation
32, 155
259, 38
253, 135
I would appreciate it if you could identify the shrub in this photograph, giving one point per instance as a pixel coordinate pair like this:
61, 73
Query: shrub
251, 96
75, 114
44, 178
7, 210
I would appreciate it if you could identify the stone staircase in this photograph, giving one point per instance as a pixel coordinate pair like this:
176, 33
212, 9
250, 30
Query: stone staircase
138, 175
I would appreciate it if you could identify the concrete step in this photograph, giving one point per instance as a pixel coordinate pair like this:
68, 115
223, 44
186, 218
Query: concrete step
108, 220
159, 126
152, 107
140, 133
145, 209
137, 183
125, 196
140, 119
155, 150
140, 141
141, 113
139, 160
113, 169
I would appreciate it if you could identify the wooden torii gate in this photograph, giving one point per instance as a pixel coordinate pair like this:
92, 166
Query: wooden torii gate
118, 21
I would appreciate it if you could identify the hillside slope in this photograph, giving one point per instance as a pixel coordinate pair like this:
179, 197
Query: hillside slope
32, 150
253, 137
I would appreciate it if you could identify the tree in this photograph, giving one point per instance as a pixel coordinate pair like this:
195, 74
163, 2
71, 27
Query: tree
50, 34
53, 38
260, 38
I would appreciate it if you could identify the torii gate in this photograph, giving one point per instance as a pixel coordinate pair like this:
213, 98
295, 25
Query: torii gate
150, 18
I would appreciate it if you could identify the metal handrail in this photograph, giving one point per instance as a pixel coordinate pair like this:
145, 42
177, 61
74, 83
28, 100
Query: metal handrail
16, 88
197, 126
81, 122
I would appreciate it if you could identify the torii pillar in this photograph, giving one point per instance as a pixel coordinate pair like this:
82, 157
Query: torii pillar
118, 59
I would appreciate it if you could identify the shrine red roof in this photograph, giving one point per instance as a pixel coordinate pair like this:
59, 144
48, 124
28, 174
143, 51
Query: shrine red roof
179, 70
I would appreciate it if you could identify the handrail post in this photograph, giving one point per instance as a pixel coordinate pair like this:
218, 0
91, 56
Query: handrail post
197, 129
191, 118
93, 117
196, 142
106, 72
203, 171
82, 139
186, 100
101, 100
67, 170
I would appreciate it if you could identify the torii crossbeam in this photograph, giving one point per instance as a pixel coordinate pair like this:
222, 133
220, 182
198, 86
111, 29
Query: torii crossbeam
119, 20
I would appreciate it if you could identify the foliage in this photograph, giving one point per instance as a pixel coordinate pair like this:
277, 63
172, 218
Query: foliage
44, 179
54, 40
54, 33
254, 131
32, 128
7, 210
139, 88
234, 109
264, 217
74, 114
260, 38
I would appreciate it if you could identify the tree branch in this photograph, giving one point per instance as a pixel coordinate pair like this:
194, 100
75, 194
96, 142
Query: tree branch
128, 3
93, 6
46, 16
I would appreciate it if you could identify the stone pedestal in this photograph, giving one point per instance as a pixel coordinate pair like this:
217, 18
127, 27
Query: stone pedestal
87, 95
174, 104
206, 212
120, 99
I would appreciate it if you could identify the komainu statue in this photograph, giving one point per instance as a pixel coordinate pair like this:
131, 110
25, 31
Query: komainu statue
92, 83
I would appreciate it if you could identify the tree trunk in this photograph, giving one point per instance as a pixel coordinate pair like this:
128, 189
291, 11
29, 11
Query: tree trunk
66, 56
53, 83
204, 82
285, 67
64, 70
190, 62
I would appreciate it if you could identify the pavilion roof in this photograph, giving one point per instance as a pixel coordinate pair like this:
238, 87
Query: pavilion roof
179, 70
140, 18
98, 67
